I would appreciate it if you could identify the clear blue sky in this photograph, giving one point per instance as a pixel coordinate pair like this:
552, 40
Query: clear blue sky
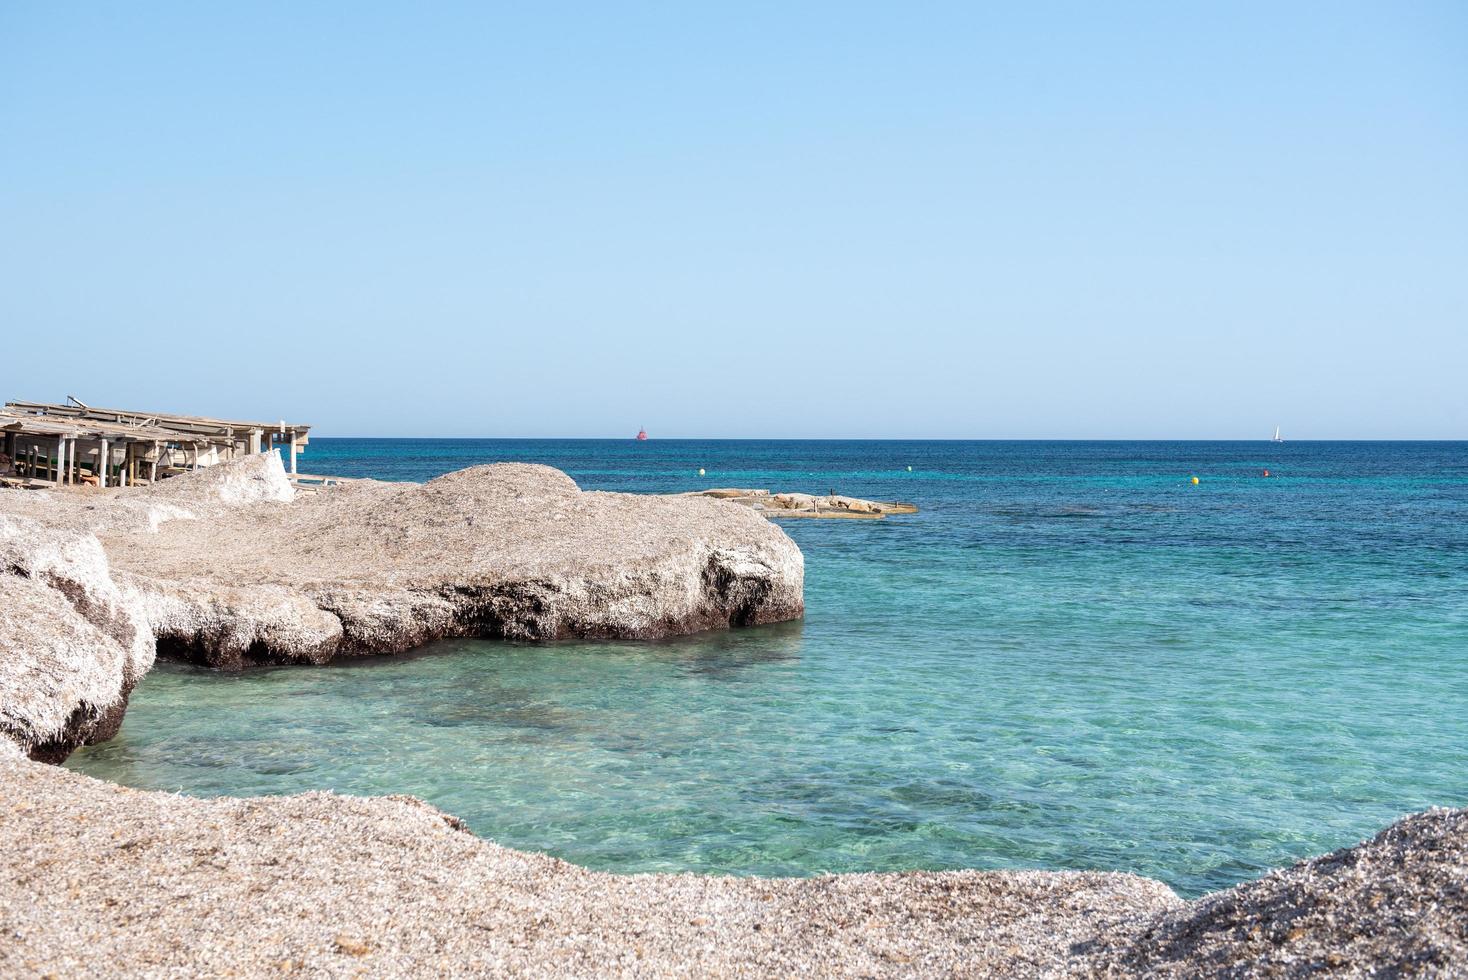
1178, 220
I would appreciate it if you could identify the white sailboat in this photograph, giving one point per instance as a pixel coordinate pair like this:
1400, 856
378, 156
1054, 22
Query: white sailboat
1276, 435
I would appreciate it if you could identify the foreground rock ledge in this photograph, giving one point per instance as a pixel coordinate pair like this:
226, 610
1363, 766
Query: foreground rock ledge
97, 879
225, 567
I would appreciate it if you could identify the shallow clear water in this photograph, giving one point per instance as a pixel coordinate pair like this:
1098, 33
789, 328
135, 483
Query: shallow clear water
1071, 658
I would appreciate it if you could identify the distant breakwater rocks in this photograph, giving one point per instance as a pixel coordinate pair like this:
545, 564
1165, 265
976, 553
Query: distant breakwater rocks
228, 567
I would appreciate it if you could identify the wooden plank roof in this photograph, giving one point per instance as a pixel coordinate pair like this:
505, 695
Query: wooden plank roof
197, 424
71, 428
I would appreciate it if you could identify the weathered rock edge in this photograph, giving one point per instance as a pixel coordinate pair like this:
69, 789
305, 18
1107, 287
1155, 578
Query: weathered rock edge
322, 885
227, 568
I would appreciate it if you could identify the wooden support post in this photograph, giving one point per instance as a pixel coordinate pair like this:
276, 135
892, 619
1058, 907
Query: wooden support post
254, 441
153, 466
102, 457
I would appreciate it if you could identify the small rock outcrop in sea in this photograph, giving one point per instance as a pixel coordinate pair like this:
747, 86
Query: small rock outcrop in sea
806, 504
326, 885
225, 567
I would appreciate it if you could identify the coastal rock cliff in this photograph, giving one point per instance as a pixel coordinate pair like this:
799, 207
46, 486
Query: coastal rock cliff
227, 567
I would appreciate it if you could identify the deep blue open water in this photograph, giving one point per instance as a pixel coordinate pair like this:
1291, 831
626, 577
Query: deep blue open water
1072, 657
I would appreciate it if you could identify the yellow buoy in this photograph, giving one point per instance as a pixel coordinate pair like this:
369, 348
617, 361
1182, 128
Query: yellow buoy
700, 473
1195, 479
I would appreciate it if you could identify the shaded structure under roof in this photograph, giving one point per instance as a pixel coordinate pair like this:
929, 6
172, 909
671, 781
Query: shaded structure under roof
56, 444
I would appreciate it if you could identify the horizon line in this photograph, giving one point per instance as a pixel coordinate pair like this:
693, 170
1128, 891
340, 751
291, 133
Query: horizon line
633, 439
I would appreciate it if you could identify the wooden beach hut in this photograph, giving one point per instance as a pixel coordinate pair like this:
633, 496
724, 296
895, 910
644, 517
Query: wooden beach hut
59, 444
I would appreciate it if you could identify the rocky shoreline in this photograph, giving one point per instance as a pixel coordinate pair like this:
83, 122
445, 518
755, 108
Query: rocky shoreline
226, 567
97, 878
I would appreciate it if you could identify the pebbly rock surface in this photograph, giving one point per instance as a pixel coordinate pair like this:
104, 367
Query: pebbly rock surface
94, 877
227, 567
98, 878
1396, 905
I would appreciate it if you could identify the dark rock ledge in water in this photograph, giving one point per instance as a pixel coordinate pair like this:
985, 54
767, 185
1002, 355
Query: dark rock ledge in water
226, 567
98, 878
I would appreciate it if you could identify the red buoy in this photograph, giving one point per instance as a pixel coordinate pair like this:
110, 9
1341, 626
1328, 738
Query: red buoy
641, 435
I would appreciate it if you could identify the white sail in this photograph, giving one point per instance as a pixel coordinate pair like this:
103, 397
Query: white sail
1276, 434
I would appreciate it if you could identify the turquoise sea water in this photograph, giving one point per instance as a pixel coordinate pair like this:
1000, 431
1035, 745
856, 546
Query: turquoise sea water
1071, 658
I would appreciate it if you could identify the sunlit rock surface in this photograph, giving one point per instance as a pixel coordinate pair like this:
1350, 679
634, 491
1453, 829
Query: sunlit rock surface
323, 885
227, 567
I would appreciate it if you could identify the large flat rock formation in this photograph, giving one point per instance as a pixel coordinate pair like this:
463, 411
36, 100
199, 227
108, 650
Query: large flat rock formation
226, 567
